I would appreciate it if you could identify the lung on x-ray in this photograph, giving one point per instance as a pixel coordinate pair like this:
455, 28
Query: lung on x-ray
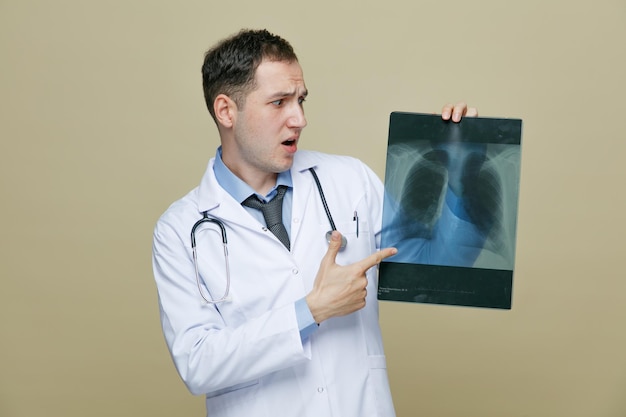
450, 208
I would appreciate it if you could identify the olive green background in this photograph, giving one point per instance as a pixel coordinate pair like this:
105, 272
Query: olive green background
103, 125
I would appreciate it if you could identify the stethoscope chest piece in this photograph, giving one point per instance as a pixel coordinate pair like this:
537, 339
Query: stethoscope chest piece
344, 241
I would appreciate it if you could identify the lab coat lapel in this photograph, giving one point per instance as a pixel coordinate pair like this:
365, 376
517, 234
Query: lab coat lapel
303, 193
213, 199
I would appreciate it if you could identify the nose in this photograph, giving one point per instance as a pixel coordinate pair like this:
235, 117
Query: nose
297, 119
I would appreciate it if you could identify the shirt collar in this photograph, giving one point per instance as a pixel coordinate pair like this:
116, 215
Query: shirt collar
237, 188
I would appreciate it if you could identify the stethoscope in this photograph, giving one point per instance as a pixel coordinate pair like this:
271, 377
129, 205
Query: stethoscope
206, 219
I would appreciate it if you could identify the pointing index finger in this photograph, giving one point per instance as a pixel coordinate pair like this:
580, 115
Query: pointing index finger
376, 258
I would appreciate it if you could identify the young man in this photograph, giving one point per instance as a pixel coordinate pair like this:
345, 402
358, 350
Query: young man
284, 322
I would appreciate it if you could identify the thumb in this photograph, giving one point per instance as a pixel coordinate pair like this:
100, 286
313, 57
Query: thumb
333, 247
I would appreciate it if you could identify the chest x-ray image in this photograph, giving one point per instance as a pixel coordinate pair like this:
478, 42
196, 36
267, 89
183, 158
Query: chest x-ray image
451, 198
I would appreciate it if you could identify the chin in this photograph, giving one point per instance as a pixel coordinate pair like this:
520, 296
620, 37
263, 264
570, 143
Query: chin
288, 160
286, 166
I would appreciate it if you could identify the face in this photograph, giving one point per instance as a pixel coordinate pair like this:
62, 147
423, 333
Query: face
267, 127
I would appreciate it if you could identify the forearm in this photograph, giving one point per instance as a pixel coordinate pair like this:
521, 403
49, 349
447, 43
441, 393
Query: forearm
209, 357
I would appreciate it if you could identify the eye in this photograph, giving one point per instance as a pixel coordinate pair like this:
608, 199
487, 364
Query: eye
277, 102
301, 100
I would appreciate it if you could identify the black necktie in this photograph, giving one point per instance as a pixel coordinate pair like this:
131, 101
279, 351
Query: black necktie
272, 212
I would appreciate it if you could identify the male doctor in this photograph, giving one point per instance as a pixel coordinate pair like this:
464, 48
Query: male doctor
285, 323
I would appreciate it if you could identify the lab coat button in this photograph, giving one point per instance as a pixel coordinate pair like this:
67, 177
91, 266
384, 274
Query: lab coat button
320, 389
296, 220
295, 271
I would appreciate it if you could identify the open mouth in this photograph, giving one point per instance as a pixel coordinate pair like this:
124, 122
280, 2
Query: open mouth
290, 142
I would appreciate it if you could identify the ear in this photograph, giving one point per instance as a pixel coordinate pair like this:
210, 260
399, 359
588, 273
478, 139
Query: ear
225, 110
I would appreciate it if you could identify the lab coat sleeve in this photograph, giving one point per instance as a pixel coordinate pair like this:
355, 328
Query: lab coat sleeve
210, 355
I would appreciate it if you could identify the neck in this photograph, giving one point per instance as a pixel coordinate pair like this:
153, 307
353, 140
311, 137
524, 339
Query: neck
262, 187
261, 182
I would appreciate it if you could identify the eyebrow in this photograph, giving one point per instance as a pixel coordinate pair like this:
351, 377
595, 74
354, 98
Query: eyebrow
287, 94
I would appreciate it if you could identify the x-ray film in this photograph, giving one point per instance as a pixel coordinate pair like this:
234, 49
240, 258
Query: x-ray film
450, 208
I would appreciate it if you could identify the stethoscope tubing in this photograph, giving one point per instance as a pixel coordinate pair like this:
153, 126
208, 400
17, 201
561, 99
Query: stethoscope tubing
206, 219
